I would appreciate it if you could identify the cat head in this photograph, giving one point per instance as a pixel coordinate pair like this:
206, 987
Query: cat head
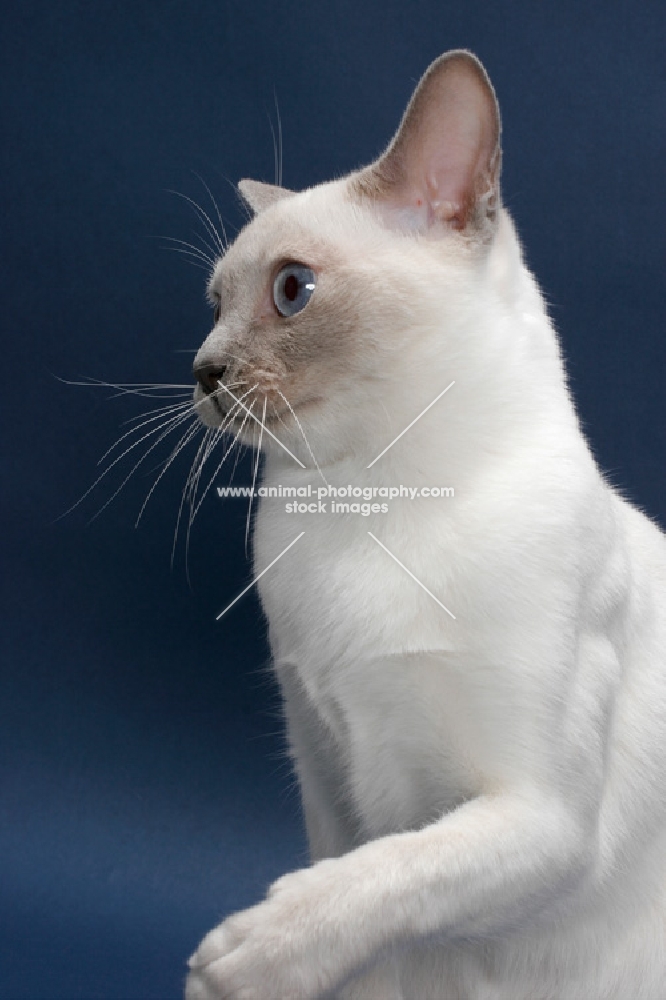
337, 303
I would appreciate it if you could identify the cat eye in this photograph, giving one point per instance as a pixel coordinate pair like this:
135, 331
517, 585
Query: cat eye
293, 288
217, 312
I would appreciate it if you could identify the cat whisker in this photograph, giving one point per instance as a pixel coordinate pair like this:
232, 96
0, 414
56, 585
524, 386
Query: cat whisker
199, 450
195, 503
128, 387
210, 442
158, 409
195, 510
221, 429
209, 247
174, 394
275, 150
190, 248
278, 416
170, 423
254, 475
307, 443
207, 452
190, 433
179, 395
240, 451
177, 408
173, 424
225, 387
217, 210
202, 459
270, 434
200, 267
172, 406
279, 124
212, 231
277, 143
195, 259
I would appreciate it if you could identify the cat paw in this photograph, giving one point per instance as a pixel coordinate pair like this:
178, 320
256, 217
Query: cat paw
270, 951
196, 988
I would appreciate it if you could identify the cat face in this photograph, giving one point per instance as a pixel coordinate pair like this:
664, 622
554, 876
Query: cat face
302, 356
328, 296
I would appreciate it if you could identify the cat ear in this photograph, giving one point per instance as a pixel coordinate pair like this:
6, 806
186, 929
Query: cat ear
260, 196
443, 164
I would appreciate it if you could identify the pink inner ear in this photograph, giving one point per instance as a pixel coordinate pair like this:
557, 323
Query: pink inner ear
445, 156
452, 164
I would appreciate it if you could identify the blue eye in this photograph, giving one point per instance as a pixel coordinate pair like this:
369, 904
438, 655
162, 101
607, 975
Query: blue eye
293, 288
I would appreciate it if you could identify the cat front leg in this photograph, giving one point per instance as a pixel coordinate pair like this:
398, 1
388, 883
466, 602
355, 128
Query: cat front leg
381, 982
495, 862
319, 766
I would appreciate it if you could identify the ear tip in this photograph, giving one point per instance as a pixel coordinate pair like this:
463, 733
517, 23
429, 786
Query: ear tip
245, 185
464, 70
463, 55
259, 195
245, 190
461, 59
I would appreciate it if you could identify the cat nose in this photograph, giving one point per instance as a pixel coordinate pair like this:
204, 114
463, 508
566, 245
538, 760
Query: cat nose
209, 376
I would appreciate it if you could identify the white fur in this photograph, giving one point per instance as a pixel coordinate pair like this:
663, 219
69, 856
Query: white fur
484, 796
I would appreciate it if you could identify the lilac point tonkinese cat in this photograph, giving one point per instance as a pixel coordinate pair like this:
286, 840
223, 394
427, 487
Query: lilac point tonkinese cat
474, 688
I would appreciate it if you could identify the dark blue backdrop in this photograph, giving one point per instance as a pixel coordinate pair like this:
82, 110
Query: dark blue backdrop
144, 790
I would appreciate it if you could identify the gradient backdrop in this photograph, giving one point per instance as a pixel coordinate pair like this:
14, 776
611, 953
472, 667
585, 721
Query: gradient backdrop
144, 789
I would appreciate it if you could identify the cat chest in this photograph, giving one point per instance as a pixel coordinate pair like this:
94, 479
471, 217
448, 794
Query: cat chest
404, 749
398, 723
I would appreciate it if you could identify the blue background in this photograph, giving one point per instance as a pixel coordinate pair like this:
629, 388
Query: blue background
144, 788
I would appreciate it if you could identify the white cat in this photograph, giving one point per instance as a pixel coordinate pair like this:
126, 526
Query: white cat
482, 765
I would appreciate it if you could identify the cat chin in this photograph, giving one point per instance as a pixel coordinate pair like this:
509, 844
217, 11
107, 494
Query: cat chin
208, 413
205, 408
